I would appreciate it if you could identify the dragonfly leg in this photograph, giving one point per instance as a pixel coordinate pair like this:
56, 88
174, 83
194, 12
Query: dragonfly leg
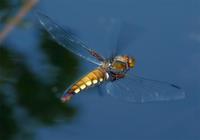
119, 76
116, 76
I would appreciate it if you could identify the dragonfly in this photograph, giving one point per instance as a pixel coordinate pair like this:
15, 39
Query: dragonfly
112, 74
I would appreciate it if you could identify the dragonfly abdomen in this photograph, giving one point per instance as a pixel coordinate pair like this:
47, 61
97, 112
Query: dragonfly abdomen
93, 78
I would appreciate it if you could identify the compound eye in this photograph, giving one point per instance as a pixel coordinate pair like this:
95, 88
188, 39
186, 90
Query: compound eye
119, 66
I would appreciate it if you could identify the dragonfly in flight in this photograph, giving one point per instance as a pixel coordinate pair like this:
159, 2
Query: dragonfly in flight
112, 74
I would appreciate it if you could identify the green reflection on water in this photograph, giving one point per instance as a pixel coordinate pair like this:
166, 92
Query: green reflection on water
34, 96
8, 126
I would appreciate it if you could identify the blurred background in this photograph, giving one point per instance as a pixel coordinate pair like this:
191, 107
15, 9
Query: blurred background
34, 70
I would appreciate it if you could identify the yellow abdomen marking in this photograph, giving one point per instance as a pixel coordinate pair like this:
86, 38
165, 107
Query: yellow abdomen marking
94, 77
77, 90
94, 81
83, 86
89, 83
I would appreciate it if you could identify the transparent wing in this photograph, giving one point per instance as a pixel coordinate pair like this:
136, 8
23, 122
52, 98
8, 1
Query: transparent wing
139, 90
121, 35
67, 39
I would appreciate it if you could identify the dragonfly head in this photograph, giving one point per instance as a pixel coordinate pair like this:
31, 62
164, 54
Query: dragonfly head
122, 63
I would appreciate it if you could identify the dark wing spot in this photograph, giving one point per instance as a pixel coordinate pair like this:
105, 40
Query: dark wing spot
175, 86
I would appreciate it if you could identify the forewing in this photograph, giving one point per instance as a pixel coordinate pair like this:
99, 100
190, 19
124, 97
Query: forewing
67, 39
121, 35
139, 90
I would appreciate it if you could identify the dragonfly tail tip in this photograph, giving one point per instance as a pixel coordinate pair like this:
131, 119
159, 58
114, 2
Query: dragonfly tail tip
66, 98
